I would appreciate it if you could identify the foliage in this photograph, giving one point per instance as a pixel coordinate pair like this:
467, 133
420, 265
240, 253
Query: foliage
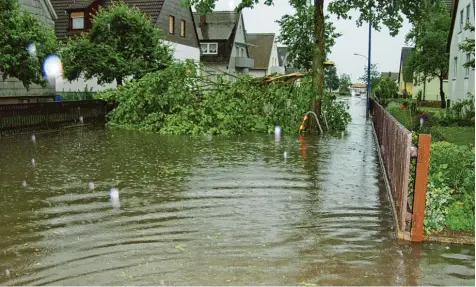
430, 58
331, 80
374, 76
467, 46
20, 29
460, 215
122, 43
336, 113
177, 100
296, 32
386, 89
436, 209
344, 83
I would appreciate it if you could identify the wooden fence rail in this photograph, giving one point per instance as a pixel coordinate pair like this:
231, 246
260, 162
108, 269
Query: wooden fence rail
18, 118
395, 142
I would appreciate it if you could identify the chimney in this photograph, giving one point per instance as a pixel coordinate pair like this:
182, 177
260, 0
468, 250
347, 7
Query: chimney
203, 19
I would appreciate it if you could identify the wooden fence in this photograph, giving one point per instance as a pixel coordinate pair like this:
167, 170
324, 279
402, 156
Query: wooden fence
18, 118
396, 150
395, 143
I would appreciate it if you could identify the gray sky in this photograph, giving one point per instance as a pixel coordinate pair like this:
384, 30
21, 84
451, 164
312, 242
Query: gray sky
385, 48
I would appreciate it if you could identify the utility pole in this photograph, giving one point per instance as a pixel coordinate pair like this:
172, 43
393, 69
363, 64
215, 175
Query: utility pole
368, 70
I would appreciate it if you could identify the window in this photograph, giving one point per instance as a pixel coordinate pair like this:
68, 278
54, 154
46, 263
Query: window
209, 48
171, 25
461, 20
77, 20
182, 28
242, 52
467, 14
468, 58
455, 68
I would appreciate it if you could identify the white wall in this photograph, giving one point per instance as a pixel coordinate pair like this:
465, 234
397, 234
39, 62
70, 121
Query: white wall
258, 73
240, 38
432, 89
459, 84
273, 58
181, 52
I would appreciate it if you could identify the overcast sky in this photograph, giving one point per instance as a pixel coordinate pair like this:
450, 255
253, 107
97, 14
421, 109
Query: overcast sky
385, 48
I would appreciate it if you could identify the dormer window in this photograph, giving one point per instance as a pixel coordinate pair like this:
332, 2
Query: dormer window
77, 20
209, 48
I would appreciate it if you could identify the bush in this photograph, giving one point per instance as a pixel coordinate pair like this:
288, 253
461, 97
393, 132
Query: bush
179, 101
460, 113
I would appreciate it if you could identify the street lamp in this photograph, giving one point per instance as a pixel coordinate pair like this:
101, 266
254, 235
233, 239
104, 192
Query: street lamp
355, 54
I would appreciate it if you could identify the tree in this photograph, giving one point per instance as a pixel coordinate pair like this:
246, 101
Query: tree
296, 32
331, 79
19, 30
344, 83
467, 46
121, 43
430, 59
374, 76
386, 89
378, 11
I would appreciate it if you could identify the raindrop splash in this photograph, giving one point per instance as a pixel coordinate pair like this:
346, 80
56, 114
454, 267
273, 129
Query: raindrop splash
33, 162
7, 272
114, 197
23, 183
33, 138
91, 185
285, 154
52, 68
31, 49
81, 120
277, 133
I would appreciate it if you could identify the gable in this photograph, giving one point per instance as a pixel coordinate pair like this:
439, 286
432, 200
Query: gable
218, 25
260, 48
41, 9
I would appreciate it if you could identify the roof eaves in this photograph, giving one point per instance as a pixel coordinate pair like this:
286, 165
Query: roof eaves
453, 18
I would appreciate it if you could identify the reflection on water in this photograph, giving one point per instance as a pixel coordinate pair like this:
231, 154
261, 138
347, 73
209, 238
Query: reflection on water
207, 211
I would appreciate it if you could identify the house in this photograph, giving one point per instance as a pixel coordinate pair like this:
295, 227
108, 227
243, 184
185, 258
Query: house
176, 22
358, 89
263, 49
392, 75
11, 87
405, 80
223, 43
460, 78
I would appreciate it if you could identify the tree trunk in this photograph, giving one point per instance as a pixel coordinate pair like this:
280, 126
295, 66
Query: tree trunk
319, 56
442, 94
119, 81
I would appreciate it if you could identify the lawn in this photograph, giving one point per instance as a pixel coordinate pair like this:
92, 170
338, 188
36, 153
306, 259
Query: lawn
458, 135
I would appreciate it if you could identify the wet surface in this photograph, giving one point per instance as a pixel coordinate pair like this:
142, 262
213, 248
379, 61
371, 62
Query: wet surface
207, 211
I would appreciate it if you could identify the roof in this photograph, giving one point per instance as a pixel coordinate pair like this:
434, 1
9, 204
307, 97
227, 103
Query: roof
405, 55
149, 7
391, 75
449, 5
260, 49
219, 25
282, 56
359, 85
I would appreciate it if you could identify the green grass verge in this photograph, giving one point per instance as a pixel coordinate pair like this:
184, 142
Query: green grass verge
458, 135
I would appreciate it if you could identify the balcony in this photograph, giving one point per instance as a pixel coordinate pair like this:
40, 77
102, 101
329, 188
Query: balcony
244, 62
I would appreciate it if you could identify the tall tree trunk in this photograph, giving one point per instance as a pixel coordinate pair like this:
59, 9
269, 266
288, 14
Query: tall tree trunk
442, 94
119, 81
319, 56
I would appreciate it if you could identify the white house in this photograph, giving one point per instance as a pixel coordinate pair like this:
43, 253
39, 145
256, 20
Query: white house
223, 42
264, 50
176, 22
460, 79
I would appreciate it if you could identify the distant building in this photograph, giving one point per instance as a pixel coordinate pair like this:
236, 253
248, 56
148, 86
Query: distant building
223, 42
264, 51
358, 89
284, 61
461, 79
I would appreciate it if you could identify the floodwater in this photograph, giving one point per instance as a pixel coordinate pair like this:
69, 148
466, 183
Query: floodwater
207, 211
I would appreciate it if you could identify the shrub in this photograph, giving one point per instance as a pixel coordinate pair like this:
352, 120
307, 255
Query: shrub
436, 209
461, 215
177, 100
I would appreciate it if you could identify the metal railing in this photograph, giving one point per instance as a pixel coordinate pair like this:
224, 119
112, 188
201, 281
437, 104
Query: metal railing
18, 118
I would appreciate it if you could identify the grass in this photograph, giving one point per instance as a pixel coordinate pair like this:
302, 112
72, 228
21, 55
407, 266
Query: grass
436, 111
458, 135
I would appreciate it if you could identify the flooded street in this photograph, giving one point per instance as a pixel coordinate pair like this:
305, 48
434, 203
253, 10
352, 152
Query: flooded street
207, 211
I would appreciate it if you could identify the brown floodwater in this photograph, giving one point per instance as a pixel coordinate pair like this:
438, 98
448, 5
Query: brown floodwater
207, 211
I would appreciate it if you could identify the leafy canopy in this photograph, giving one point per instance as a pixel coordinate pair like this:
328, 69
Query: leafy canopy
374, 76
122, 42
19, 29
331, 80
429, 58
467, 46
296, 32
344, 82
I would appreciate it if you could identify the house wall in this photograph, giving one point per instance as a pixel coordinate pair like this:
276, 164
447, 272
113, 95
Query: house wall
184, 52
239, 38
39, 9
174, 8
273, 58
460, 83
431, 89
13, 87
404, 85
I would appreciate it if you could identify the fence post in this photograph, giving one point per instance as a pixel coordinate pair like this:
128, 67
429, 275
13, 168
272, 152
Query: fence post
421, 180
